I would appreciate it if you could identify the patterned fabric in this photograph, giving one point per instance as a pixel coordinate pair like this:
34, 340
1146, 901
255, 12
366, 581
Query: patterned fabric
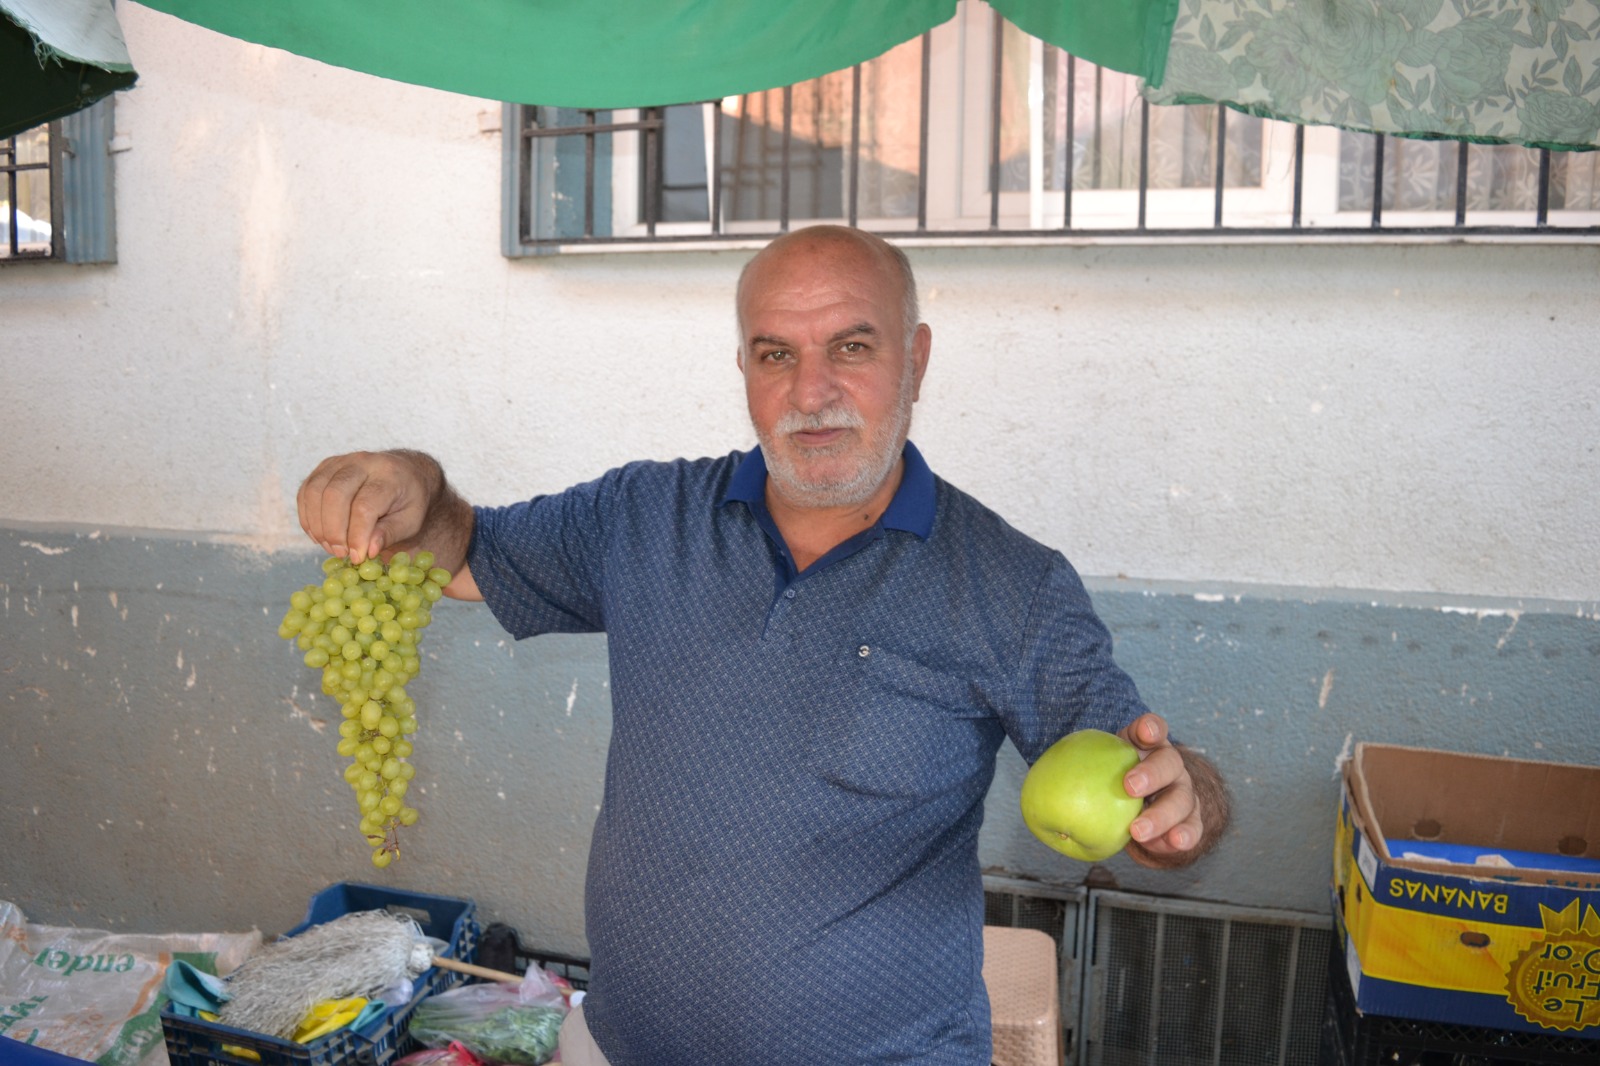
1496, 71
784, 868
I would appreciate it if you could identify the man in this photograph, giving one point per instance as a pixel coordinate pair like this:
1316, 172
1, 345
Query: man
816, 650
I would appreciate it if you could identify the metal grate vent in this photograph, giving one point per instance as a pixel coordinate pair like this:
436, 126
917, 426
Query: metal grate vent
1178, 983
1060, 912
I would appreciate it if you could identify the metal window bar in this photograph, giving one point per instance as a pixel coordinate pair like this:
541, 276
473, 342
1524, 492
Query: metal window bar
1099, 127
788, 134
525, 136
1299, 175
11, 168
1542, 215
1377, 180
655, 166
588, 175
1144, 160
726, 203
855, 142
1072, 143
1222, 161
922, 137
996, 55
715, 177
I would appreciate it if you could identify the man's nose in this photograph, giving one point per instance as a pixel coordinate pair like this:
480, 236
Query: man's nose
814, 386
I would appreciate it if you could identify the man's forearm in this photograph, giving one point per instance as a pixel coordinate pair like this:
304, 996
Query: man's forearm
446, 528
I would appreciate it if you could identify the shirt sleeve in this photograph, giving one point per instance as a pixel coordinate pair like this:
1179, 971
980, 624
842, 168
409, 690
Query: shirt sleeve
1066, 678
540, 564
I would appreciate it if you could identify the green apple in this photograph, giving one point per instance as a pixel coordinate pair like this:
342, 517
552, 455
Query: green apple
1073, 799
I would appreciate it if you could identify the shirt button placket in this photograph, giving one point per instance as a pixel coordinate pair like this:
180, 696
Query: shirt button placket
778, 616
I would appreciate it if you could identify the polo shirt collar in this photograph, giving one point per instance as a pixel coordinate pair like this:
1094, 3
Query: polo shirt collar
911, 510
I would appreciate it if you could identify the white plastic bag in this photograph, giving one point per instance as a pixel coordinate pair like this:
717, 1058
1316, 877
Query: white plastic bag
95, 995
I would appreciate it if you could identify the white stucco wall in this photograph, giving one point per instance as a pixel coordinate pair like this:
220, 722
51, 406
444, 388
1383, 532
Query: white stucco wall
309, 262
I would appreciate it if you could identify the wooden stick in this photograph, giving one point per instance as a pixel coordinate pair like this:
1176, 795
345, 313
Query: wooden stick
476, 971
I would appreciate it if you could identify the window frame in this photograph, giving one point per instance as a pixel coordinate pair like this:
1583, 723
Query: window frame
1297, 200
82, 196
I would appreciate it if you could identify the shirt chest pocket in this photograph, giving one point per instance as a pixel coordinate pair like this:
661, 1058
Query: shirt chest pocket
889, 725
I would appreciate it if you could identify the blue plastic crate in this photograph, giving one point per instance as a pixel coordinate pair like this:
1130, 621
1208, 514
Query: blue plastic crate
193, 1042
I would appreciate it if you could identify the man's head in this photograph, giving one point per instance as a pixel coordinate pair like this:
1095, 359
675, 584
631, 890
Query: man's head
833, 357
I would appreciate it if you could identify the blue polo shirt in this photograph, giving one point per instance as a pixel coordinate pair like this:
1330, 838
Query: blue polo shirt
784, 868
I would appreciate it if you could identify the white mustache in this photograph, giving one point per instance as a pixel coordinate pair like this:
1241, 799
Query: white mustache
830, 418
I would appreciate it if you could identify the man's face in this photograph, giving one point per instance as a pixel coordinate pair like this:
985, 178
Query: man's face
828, 376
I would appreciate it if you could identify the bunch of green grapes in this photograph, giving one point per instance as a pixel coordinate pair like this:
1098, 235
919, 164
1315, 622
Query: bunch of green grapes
360, 628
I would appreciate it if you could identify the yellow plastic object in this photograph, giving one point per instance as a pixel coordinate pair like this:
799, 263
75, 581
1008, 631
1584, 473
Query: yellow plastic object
327, 1016
1020, 970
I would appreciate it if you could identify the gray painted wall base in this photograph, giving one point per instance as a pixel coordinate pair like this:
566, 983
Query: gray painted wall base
167, 763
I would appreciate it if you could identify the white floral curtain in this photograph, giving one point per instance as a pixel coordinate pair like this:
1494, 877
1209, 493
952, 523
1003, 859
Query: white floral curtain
1488, 71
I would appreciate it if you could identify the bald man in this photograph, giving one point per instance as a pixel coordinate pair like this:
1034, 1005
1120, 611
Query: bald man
817, 647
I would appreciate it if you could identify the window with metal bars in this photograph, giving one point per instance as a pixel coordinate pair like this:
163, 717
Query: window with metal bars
55, 191
29, 196
977, 131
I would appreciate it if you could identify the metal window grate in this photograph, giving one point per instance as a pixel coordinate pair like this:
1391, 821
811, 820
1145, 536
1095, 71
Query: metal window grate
1180, 983
26, 234
783, 169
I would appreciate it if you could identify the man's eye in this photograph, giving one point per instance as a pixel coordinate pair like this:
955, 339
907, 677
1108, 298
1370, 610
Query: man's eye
852, 347
776, 356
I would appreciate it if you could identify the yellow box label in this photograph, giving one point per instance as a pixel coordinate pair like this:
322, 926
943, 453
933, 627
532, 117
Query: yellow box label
1555, 982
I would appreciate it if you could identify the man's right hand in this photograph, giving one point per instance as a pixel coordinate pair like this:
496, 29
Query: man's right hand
367, 505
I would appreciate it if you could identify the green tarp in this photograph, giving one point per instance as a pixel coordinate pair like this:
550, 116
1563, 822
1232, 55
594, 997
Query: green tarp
631, 53
1489, 70
1517, 71
57, 57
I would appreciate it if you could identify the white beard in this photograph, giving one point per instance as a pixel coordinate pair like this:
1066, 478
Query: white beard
877, 453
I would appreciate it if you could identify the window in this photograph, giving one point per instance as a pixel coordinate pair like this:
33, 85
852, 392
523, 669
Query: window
25, 222
977, 131
55, 190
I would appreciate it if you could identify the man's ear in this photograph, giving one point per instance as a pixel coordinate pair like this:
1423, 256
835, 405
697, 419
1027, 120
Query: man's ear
921, 345
738, 358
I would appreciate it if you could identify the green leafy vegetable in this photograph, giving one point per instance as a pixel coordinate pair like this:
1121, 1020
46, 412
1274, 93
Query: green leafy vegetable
510, 1032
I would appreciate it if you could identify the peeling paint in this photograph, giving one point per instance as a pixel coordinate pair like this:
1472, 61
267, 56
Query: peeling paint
1327, 687
42, 549
1479, 613
1344, 754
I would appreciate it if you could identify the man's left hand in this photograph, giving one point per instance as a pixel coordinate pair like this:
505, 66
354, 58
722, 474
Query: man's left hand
1186, 800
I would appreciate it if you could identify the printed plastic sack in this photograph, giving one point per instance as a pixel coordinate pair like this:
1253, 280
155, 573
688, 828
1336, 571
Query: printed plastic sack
96, 995
500, 1023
